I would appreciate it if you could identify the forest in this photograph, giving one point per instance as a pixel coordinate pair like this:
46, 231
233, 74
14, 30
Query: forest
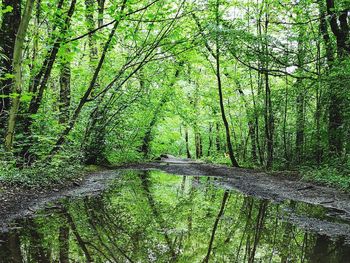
174, 131
258, 84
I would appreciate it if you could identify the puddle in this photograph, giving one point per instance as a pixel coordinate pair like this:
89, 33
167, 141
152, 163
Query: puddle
156, 217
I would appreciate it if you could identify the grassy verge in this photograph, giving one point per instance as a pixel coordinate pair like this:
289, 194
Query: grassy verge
42, 176
329, 176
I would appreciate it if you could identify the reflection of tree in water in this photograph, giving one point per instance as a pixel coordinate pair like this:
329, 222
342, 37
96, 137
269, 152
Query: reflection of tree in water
10, 247
153, 217
145, 182
326, 251
213, 232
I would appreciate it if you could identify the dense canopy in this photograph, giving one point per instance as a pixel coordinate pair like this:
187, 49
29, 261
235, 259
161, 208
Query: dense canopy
252, 83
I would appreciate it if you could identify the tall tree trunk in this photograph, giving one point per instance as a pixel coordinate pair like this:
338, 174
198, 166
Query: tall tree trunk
96, 131
330, 60
217, 138
256, 149
210, 138
101, 6
90, 21
299, 141
300, 100
198, 143
188, 153
8, 31
340, 28
251, 126
64, 101
269, 122
222, 107
16, 86
285, 111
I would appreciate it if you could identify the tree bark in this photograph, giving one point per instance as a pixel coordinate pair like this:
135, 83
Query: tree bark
8, 31
222, 107
16, 87
101, 6
340, 28
64, 101
269, 122
188, 153
210, 138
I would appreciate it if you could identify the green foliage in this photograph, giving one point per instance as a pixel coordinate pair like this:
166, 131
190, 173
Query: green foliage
40, 176
280, 76
335, 173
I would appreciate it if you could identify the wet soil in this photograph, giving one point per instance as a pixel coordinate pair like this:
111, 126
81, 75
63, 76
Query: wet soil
19, 202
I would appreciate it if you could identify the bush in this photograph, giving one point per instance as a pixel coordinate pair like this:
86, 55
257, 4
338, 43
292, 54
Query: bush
335, 173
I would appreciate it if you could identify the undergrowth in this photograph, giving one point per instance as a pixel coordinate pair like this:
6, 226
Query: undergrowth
58, 171
329, 176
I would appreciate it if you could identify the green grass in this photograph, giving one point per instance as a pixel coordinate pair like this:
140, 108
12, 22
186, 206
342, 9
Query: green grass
329, 176
38, 175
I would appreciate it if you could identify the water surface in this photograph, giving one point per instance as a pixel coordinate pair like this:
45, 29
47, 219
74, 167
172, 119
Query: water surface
157, 217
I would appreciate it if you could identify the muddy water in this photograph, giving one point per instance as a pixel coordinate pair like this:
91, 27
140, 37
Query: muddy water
157, 217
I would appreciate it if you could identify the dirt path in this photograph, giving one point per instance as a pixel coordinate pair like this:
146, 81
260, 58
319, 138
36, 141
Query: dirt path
18, 202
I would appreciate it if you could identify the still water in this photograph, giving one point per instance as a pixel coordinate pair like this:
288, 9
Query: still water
157, 217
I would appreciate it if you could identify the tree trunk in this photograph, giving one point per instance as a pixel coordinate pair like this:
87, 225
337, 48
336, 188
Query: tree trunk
101, 6
285, 147
330, 60
340, 28
187, 144
64, 102
251, 126
217, 138
222, 108
216, 56
299, 141
210, 138
16, 87
269, 122
300, 101
8, 31
198, 143
89, 18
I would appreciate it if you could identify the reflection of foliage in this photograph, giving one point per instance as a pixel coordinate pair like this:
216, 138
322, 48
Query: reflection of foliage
154, 217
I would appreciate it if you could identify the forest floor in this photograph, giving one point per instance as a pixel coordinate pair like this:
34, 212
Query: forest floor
16, 202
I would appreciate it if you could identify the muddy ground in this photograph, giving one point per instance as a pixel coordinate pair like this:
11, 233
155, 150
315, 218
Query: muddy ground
19, 202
